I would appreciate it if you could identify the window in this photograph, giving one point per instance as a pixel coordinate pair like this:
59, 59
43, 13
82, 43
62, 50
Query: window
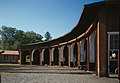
113, 45
4, 56
114, 41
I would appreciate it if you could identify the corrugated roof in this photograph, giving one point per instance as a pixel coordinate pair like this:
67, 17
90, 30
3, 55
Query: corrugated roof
9, 52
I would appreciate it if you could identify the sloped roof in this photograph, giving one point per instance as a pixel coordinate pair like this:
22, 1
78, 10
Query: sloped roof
9, 52
1, 51
87, 17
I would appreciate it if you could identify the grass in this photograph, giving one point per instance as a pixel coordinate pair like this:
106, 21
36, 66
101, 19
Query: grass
2, 64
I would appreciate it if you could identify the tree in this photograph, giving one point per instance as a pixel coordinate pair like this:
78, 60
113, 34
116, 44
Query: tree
7, 35
12, 39
19, 38
33, 37
47, 36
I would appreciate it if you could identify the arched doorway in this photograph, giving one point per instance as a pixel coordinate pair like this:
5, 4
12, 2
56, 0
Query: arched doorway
55, 56
75, 53
65, 55
46, 56
36, 57
92, 51
61, 55
82, 52
26, 54
85, 52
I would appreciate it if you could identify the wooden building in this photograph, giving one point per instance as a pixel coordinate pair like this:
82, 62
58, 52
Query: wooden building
9, 56
93, 42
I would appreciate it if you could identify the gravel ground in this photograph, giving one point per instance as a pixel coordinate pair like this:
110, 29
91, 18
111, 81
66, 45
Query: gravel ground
49, 74
54, 78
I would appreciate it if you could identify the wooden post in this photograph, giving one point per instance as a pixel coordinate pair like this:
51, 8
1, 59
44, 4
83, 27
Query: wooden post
50, 56
59, 56
88, 57
31, 58
20, 56
102, 58
96, 59
78, 61
68, 55
41, 57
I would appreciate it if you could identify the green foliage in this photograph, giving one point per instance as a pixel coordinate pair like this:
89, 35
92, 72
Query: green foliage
12, 39
47, 36
7, 35
32, 37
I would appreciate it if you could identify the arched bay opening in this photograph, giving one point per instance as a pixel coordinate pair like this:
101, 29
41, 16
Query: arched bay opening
46, 56
36, 57
65, 55
55, 53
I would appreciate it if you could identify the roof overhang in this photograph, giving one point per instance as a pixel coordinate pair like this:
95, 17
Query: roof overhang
87, 17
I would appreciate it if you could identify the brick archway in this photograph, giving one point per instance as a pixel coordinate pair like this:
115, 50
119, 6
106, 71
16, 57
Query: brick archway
75, 52
35, 57
46, 55
55, 56
65, 55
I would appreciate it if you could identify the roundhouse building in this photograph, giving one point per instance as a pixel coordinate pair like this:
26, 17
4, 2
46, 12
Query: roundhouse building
93, 42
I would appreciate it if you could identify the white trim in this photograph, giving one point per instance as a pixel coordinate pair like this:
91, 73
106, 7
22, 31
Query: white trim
43, 54
32, 54
108, 52
92, 47
61, 53
72, 56
98, 63
110, 33
53, 54
82, 57
113, 33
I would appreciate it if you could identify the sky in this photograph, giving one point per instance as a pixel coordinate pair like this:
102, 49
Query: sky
56, 16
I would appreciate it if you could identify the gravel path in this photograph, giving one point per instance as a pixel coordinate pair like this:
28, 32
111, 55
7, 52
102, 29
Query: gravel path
49, 74
54, 78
